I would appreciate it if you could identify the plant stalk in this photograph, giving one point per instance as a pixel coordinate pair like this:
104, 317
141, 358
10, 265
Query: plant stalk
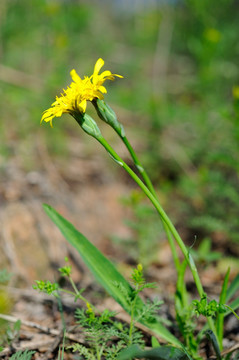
152, 190
163, 216
160, 210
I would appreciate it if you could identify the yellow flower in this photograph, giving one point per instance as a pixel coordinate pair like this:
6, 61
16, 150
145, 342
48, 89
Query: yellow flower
74, 99
66, 103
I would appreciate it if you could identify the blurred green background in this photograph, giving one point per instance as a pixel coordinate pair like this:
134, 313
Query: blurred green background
179, 97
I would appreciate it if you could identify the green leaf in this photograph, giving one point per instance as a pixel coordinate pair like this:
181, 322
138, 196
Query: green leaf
160, 353
220, 316
211, 336
17, 326
154, 342
234, 286
22, 355
104, 271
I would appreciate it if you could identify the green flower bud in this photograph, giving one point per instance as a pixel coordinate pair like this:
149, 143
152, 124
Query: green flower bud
88, 124
108, 115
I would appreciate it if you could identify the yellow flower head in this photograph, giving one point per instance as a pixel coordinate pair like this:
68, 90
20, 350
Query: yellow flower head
74, 99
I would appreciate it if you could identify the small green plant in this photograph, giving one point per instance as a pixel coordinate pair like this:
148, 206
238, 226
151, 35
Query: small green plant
74, 102
10, 333
13, 332
23, 355
105, 336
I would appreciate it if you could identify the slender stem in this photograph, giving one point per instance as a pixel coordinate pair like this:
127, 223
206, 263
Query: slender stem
97, 352
63, 345
138, 165
132, 318
160, 210
74, 286
172, 247
107, 114
151, 188
77, 292
234, 313
181, 288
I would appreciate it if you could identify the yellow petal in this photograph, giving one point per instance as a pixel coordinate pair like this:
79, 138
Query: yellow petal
58, 113
103, 89
82, 105
75, 76
99, 95
98, 65
106, 73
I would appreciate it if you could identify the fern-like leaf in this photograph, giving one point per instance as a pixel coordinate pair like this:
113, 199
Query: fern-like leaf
22, 355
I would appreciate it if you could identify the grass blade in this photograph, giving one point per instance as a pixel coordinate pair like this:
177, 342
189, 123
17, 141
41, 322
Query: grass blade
211, 336
234, 286
220, 316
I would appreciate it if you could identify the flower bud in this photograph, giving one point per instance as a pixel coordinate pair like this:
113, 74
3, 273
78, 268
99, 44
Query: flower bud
88, 124
108, 115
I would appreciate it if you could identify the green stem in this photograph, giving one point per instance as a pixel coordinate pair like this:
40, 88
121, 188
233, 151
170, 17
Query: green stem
98, 353
163, 216
151, 188
172, 247
79, 296
131, 327
138, 164
74, 286
234, 313
108, 115
160, 210
181, 288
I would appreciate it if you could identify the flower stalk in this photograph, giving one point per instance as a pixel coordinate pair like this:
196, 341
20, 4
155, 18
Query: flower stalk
159, 209
106, 113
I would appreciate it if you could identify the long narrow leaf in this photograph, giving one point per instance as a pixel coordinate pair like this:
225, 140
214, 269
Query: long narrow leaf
211, 336
234, 286
104, 271
220, 316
